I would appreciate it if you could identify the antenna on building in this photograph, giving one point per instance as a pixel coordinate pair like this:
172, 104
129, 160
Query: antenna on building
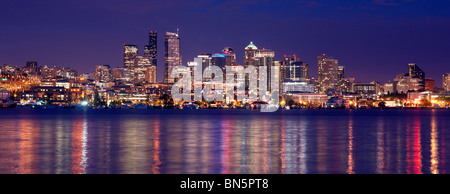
178, 30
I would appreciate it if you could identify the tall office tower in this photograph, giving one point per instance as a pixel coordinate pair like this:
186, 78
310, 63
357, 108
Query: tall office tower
219, 60
172, 57
297, 71
130, 52
150, 50
341, 72
249, 57
103, 73
230, 56
327, 73
446, 81
416, 72
285, 62
264, 57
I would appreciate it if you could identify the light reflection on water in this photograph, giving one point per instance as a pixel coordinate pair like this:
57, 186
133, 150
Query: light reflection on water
223, 141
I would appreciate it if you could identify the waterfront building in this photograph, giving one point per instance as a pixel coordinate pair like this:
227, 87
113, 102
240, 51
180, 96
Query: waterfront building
327, 73
429, 84
365, 90
446, 81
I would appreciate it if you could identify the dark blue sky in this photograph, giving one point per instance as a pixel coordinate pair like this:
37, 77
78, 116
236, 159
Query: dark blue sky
374, 39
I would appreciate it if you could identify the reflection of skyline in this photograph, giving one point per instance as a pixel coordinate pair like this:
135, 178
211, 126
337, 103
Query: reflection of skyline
232, 144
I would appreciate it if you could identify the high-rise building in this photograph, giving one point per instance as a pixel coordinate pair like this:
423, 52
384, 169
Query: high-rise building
250, 52
172, 57
296, 75
296, 71
416, 72
230, 56
138, 72
446, 81
33, 65
265, 57
327, 73
341, 72
130, 52
285, 62
150, 50
103, 73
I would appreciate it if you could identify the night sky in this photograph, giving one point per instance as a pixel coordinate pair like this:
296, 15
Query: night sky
373, 39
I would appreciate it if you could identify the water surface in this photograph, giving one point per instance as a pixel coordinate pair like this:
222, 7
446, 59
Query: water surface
224, 141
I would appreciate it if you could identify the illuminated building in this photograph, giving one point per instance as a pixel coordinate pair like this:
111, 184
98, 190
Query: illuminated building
296, 71
151, 50
298, 87
265, 58
429, 84
416, 72
138, 73
172, 57
345, 85
121, 75
446, 81
365, 90
68, 73
390, 87
150, 74
327, 73
249, 57
341, 72
32, 67
130, 52
312, 98
230, 56
296, 74
287, 59
103, 73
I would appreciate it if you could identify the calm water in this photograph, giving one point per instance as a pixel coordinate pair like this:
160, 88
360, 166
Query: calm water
224, 141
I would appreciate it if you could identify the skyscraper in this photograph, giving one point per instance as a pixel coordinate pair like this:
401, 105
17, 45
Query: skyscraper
297, 71
130, 52
264, 57
230, 56
150, 50
250, 52
446, 81
327, 73
341, 72
172, 57
284, 63
416, 72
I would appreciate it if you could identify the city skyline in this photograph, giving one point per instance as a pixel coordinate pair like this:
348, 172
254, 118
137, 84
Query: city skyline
366, 36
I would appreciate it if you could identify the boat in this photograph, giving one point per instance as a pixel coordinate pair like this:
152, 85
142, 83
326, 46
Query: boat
8, 105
